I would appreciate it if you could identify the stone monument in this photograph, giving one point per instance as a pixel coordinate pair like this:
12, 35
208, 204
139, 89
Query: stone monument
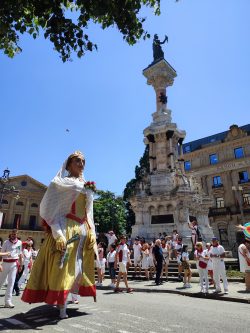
165, 198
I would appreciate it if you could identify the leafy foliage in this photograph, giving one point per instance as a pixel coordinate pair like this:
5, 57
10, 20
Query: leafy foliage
140, 171
65, 22
110, 212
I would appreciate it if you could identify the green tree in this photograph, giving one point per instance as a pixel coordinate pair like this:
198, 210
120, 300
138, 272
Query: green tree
110, 213
65, 22
140, 171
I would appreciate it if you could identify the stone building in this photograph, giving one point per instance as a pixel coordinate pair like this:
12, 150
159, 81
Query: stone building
220, 163
23, 213
166, 199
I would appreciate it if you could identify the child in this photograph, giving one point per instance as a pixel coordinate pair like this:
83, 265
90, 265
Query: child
145, 259
100, 249
111, 263
186, 267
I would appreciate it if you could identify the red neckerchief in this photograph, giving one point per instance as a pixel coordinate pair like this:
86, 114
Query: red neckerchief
199, 251
13, 241
163, 246
216, 245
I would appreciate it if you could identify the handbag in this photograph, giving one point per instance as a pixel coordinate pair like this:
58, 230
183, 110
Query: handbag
202, 264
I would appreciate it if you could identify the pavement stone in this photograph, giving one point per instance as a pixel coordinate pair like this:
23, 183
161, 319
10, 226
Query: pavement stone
237, 290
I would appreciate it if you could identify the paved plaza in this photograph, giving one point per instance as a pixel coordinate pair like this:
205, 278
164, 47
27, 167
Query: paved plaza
129, 313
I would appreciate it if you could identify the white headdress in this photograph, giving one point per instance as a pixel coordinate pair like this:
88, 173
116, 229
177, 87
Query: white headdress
59, 197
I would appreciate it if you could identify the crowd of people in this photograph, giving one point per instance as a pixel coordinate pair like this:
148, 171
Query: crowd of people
18, 258
66, 261
151, 260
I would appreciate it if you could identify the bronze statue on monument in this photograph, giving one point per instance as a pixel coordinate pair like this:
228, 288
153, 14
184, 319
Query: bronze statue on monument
158, 54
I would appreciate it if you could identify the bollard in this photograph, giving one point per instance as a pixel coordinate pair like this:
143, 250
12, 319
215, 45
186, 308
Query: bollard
247, 280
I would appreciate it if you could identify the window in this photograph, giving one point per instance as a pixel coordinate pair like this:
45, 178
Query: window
246, 199
5, 202
187, 165
217, 181
220, 203
17, 221
238, 152
243, 176
2, 218
34, 205
159, 219
187, 149
213, 159
223, 236
32, 222
19, 203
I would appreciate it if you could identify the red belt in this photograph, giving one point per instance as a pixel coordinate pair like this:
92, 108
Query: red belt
10, 260
76, 218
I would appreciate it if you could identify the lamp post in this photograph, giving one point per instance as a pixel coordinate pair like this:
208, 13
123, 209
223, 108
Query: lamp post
238, 190
6, 189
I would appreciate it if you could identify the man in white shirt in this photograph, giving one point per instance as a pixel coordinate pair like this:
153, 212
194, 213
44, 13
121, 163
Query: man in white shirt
217, 255
244, 255
11, 264
137, 255
123, 258
111, 238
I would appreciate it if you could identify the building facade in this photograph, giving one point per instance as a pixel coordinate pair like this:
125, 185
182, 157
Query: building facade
23, 212
220, 163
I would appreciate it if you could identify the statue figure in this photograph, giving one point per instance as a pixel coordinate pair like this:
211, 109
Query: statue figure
157, 50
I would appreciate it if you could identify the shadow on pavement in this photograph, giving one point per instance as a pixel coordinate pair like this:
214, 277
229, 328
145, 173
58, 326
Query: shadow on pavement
36, 318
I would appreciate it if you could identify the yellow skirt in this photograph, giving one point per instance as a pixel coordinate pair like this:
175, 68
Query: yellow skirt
50, 284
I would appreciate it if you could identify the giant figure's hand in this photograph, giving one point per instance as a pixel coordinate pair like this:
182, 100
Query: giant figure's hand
60, 243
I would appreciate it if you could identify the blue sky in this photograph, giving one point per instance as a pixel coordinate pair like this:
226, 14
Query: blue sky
103, 98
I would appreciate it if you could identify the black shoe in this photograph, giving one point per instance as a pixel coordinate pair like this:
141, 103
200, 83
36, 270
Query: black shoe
18, 294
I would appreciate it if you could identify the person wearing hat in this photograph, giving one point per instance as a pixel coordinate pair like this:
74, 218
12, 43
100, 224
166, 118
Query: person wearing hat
217, 255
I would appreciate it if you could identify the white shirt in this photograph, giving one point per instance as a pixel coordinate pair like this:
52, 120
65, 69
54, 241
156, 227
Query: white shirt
242, 260
137, 250
15, 249
201, 256
111, 239
218, 251
209, 262
26, 256
185, 256
125, 253
111, 256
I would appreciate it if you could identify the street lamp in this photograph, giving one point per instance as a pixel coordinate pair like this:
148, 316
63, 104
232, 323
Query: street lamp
5, 188
238, 190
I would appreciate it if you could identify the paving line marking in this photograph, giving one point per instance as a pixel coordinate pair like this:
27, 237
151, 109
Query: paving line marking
58, 329
17, 322
104, 311
130, 315
166, 329
176, 326
120, 331
88, 329
97, 324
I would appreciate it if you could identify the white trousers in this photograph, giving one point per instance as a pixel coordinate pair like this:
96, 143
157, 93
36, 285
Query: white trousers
9, 272
220, 273
24, 276
203, 277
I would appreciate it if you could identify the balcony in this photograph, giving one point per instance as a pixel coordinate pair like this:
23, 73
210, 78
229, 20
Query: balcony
214, 211
217, 186
243, 181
